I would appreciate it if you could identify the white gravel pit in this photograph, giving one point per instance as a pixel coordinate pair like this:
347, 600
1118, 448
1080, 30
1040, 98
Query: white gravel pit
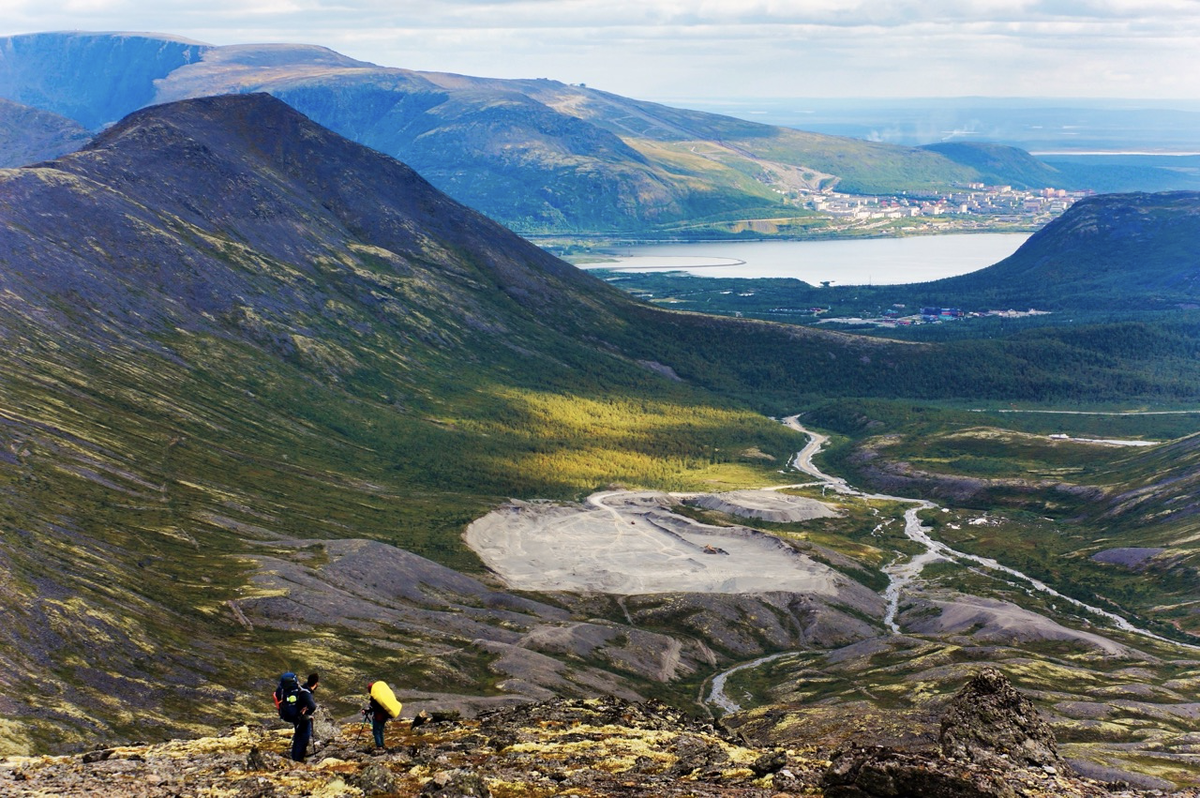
630, 543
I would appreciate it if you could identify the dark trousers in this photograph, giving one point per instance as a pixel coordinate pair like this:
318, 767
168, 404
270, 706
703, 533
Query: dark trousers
377, 725
300, 739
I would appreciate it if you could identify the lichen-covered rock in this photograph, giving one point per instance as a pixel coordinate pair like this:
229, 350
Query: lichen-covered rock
770, 762
989, 721
605, 711
325, 728
456, 784
695, 753
255, 760
376, 779
878, 772
595, 747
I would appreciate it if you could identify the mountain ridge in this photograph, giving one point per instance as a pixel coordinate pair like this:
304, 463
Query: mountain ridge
524, 152
253, 216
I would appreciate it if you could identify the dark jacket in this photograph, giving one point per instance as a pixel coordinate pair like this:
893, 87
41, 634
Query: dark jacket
378, 713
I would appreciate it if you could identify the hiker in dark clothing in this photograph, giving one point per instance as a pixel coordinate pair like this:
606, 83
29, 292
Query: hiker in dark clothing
379, 718
310, 684
296, 705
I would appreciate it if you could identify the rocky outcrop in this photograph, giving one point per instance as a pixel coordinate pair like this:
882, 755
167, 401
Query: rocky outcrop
887, 773
990, 722
598, 747
993, 744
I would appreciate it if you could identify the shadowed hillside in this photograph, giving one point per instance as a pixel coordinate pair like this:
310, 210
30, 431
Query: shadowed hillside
29, 134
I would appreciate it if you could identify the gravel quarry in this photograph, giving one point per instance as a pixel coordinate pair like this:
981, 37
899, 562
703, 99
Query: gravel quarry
630, 543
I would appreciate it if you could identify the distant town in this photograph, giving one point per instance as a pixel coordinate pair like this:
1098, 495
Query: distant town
973, 206
899, 315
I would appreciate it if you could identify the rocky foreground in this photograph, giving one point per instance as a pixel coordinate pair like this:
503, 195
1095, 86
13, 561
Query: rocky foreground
992, 744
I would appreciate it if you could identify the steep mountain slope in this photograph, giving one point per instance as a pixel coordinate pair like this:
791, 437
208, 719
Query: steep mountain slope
244, 357
256, 379
94, 79
1097, 255
29, 134
524, 152
255, 203
209, 354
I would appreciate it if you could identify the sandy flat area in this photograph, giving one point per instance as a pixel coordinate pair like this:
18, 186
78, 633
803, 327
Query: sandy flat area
631, 543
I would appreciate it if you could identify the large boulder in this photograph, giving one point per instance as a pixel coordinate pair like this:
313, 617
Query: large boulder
881, 772
325, 729
989, 722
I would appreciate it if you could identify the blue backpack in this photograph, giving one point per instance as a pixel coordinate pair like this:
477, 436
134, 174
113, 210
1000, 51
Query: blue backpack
287, 697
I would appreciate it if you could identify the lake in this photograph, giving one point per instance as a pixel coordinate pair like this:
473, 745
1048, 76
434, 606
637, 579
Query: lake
857, 261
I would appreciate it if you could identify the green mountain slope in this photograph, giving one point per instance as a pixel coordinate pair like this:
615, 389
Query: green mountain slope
243, 359
524, 152
257, 378
1133, 251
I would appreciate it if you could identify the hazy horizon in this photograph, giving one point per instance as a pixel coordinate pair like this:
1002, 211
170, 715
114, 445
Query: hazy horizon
663, 48
1040, 125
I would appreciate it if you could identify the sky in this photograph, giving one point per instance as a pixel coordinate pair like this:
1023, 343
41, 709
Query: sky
666, 49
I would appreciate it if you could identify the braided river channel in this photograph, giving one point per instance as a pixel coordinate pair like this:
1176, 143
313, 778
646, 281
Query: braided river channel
903, 572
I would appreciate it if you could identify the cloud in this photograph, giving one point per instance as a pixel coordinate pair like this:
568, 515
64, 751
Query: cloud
730, 47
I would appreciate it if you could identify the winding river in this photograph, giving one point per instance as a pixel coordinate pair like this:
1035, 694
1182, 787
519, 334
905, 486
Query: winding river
902, 573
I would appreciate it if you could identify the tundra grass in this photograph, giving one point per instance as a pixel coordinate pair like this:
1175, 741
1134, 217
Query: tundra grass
149, 487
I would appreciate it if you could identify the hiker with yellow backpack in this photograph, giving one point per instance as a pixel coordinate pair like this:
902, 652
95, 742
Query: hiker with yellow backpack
383, 706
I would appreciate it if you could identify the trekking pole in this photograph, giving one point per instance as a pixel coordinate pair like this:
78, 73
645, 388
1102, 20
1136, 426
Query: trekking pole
358, 737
